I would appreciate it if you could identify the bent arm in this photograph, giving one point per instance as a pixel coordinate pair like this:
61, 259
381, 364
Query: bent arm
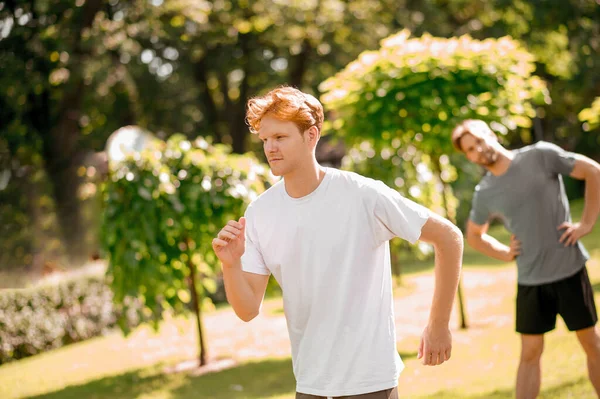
588, 170
447, 241
245, 291
478, 238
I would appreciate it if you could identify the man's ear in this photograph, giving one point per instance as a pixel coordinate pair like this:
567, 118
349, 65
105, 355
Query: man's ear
313, 134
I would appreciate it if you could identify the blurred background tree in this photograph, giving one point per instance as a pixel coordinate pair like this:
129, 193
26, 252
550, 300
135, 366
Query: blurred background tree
398, 105
74, 71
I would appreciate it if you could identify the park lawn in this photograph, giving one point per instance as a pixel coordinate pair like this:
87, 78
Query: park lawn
483, 364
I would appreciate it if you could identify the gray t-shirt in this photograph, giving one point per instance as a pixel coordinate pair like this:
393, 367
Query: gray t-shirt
530, 198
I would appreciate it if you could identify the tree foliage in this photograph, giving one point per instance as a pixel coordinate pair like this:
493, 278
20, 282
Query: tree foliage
74, 71
399, 105
162, 209
591, 116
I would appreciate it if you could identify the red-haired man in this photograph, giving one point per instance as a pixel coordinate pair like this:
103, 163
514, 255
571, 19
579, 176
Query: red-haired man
323, 234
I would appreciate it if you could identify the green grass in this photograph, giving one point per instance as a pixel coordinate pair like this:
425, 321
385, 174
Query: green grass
483, 363
245, 381
483, 366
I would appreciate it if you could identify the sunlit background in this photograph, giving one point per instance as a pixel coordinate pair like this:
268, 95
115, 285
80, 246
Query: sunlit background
123, 150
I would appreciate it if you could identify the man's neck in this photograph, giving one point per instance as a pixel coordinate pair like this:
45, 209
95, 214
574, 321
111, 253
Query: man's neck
500, 167
304, 181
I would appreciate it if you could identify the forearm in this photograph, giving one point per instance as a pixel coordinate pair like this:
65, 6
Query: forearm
239, 292
591, 208
448, 261
491, 247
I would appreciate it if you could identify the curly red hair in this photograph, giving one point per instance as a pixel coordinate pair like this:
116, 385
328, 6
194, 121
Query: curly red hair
288, 104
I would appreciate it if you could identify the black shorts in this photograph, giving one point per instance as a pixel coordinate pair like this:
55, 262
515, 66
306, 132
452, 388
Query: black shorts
572, 298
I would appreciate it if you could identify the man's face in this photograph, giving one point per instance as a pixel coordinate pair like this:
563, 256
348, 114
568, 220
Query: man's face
479, 150
286, 148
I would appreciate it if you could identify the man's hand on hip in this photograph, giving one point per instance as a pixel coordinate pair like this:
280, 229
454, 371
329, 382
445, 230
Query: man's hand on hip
573, 232
514, 249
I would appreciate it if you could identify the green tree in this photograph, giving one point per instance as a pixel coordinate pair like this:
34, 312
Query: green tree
54, 94
563, 36
234, 49
401, 103
43, 84
162, 209
74, 71
413, 91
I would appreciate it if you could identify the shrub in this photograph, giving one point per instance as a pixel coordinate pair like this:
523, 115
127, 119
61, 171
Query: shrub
49, 316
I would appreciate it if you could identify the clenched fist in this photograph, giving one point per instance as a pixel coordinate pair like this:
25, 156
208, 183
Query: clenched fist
230, 243
436, 345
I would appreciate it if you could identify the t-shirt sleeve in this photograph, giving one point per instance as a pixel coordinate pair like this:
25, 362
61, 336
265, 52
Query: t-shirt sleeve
479, 213
252, 260
397, 216
555, 159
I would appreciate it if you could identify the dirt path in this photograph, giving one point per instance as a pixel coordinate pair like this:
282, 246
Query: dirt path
266, 336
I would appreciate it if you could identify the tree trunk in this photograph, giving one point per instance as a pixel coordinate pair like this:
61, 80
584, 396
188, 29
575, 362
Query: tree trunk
131, 115
39, 235
237, 125
60, 146
197, 310
61, 153
301, 60
298, 69
211, 113
396, 265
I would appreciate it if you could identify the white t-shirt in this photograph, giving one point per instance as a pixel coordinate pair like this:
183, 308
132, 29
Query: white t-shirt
329, 252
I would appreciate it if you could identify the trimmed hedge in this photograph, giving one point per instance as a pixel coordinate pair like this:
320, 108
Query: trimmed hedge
49, 316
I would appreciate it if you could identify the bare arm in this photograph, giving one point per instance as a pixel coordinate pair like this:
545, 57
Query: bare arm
588, 170
245, 291
478, 238
447, 240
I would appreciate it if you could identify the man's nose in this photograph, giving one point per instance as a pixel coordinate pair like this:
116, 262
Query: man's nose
270, 146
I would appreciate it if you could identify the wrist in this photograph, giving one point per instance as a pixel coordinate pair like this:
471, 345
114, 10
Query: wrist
232, 265
586, 226
438, 323
508, 255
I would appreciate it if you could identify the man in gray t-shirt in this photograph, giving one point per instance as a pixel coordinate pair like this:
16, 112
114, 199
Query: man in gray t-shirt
525, 189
